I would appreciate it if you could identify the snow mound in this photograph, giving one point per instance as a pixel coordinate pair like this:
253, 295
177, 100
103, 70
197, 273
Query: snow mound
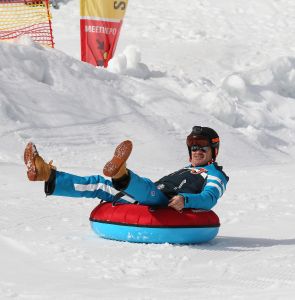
129, 63
44, 89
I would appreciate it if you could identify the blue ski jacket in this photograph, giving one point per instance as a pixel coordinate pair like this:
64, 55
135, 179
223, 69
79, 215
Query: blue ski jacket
201, 187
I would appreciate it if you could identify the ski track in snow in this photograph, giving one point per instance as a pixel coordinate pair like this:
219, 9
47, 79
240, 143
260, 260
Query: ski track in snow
229, 64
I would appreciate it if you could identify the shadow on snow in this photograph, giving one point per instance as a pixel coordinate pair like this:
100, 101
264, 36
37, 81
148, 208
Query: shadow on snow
241, 244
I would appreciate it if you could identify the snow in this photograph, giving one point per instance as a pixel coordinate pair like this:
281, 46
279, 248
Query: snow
228, 64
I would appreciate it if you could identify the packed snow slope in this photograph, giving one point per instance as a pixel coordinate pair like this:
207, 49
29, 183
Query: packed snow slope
228, 64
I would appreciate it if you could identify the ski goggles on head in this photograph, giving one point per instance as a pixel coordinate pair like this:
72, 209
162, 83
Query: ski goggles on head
199, 148
197, 140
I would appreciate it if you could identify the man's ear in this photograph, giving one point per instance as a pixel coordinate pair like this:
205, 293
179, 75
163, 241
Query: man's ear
190, 159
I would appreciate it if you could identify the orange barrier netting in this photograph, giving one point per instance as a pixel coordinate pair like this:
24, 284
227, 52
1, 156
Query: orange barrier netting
26, 17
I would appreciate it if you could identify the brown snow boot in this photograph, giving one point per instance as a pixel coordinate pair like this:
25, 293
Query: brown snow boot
116, 167
38, 169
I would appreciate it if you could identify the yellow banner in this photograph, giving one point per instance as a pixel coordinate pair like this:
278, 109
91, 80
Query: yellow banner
106, 9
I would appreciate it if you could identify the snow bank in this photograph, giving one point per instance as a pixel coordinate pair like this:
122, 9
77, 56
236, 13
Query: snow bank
46, 89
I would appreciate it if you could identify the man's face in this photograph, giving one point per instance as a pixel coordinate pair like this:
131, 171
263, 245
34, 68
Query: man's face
201, 157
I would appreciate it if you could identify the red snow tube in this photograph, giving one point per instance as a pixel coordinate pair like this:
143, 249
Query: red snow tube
140, 223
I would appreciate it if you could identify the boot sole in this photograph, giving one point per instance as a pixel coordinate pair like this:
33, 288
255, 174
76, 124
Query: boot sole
29, 159
121, 155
